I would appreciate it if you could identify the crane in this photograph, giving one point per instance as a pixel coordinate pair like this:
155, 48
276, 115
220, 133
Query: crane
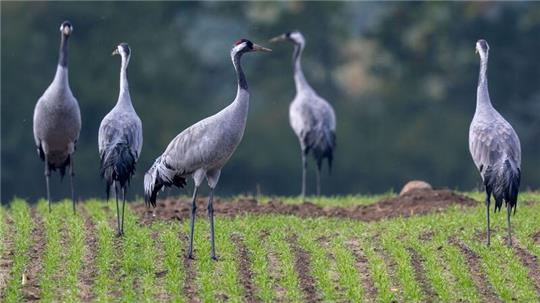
495, 148
311, 117
57, 120
120, 139
204, 148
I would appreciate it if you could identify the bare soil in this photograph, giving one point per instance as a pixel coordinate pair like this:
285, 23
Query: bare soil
530, 261
479, 277
31, 288
6, 259
416, 202
88, 272
190, 286
302, 266
244, 268
363, 269
420, 275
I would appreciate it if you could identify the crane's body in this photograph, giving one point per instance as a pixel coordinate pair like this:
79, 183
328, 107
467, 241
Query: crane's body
311, 117
57, 119
495, 148
120, 139
204, 148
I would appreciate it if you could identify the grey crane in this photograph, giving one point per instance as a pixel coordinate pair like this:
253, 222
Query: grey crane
311, 117
204, 148
120, 139
495, 148
57, 120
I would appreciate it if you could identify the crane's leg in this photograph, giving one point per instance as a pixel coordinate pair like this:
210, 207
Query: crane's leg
211, 220
47, 176
123, 209
487, 214
71, 176
192, 223
304, 171
508, 211
118, 233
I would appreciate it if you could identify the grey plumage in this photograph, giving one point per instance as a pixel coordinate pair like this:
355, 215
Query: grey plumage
120, 139
204, 148
495, 147
57, 119
311, 117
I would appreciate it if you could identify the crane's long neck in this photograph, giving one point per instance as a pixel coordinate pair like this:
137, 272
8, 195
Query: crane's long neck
62, 68
240, 77
124, 97
299, 79
241, 102
482, 92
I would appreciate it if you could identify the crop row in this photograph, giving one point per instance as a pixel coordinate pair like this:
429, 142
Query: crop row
439, 257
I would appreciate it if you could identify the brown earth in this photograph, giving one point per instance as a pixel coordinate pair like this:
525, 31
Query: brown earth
244, 268
483, 285
88, 272
420, 274
363, 269
31, 288
302, 265
530, 261
415, 202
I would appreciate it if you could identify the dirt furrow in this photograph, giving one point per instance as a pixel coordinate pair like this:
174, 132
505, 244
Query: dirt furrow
88, 271
324, 242
362, 267
244, 266
391, 265
483, 285
530, 261
6, 259
30, 281
190, 282
302, 266
161, 271
273, 268
420, 275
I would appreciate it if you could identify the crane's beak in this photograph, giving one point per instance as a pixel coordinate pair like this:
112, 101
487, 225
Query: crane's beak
115, 52
259, 48
278, 38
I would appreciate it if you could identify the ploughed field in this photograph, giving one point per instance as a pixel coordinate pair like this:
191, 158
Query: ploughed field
425, 246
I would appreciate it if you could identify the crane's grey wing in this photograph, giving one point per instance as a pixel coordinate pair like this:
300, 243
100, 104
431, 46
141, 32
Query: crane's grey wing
490, 143
115, 129
186, 152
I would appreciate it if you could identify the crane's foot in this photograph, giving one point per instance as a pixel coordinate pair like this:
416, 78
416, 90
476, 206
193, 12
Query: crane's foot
190, 256
214, 258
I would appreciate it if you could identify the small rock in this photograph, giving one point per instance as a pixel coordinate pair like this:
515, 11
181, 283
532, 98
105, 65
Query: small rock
413, 185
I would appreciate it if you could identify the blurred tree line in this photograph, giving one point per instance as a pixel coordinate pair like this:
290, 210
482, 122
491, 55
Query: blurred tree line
401, 76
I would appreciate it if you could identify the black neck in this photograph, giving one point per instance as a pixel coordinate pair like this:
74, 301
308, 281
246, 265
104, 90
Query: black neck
63, 57
241, 78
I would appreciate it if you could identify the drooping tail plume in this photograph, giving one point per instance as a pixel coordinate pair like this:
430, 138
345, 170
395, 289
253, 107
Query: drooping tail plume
503, 181
117, 164
156, 178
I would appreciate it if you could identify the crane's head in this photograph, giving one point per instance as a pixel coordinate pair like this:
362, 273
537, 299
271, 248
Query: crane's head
482, 48
66, 28
244, 46
295, 36
122, 49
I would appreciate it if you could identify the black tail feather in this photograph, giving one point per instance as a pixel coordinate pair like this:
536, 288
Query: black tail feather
154, 182
503, 181
323, 145
117, 164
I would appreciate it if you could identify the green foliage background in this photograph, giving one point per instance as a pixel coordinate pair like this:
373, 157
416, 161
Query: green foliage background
401, 76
